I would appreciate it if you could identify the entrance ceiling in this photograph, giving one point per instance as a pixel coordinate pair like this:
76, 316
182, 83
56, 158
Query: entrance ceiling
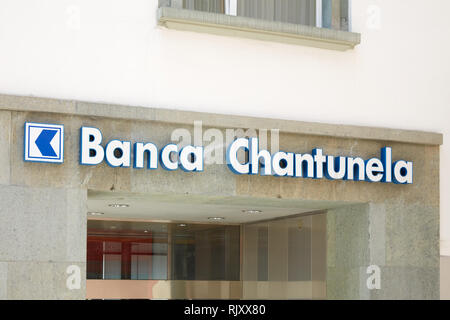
197, 208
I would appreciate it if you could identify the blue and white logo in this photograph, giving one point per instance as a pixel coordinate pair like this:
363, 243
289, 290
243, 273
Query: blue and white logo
44, 142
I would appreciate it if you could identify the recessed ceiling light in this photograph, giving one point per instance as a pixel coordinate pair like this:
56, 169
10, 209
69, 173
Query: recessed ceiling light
145, 231
95, 213
216, 218
118, 205
252, 211
182, 225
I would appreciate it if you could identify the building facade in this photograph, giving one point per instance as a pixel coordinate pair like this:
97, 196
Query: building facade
224, 149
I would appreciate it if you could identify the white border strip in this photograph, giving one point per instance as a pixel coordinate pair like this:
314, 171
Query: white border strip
445, 248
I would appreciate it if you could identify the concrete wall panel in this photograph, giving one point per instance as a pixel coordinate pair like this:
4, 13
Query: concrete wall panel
5, 136
42, 231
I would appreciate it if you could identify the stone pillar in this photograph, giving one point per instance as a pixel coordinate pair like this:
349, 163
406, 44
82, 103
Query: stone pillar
42, 230
397, 239
42, 233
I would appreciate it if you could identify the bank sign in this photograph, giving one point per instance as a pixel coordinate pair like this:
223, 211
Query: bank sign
45, 143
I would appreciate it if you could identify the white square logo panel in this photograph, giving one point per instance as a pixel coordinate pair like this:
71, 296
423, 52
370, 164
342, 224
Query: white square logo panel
44, 142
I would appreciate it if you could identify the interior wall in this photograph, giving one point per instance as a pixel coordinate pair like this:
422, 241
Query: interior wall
285, 258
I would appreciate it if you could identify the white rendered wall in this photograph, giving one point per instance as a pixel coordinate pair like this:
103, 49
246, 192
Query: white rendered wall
112, 51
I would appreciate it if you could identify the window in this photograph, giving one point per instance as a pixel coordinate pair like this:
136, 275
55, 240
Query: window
331, 14
121, 250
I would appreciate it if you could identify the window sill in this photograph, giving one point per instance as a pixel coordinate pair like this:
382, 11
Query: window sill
221, 24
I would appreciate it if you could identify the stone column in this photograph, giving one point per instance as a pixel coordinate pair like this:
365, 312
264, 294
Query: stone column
395, 239
42, 229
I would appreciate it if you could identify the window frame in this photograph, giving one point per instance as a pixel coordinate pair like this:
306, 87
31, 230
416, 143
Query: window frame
231, 9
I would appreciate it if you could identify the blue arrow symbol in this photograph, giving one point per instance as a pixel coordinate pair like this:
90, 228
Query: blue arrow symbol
43, 142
